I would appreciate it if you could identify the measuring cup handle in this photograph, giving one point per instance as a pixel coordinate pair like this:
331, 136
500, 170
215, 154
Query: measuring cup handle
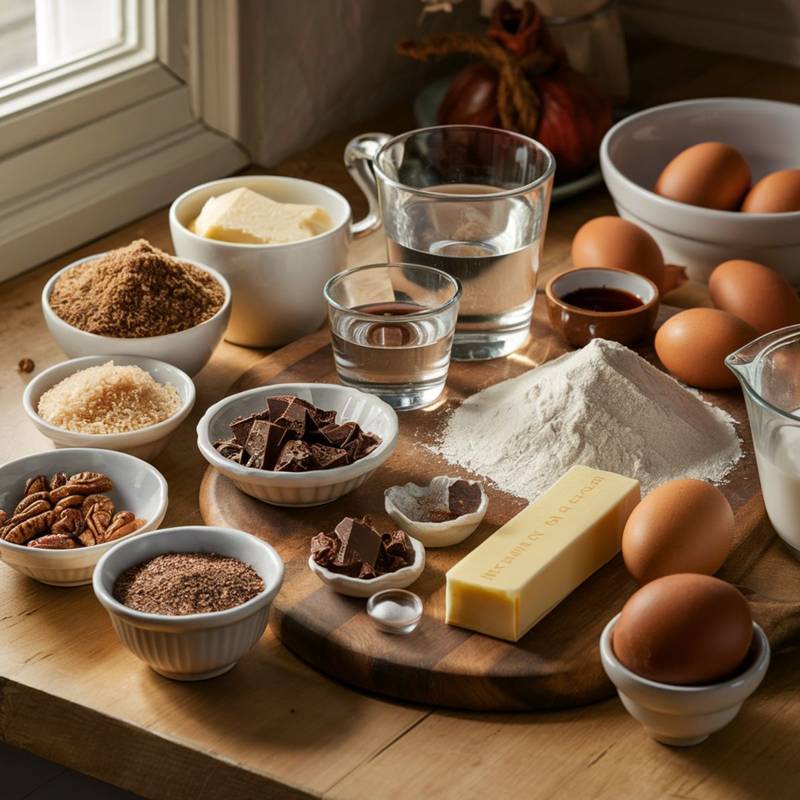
358, 157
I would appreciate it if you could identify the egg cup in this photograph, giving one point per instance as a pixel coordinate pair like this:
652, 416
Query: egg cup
682, 716
580, 325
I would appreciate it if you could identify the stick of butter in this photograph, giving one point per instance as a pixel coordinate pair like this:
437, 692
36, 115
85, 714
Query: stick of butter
247, 217
530, 564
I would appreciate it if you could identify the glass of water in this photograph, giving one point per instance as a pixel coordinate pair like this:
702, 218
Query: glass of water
392, 328
473, 202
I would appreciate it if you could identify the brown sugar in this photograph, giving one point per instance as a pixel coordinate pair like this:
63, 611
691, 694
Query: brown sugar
136, 291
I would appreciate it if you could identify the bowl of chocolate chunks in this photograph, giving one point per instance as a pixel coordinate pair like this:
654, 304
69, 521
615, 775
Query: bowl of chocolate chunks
298, 444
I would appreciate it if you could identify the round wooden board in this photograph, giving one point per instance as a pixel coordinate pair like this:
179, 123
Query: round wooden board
557, 663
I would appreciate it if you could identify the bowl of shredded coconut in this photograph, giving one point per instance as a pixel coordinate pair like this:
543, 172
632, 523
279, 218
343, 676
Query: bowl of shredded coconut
126, 403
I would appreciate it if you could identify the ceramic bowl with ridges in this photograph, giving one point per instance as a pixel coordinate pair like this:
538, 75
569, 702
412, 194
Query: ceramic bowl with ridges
146, 443
315, 487
683, 716
194, 646
138, 487
188, 350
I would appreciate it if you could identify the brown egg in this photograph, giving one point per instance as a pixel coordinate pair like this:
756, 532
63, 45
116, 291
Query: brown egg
754, 293
693, 344
774, 193
710, 174
684, 525
616, 242
684, 629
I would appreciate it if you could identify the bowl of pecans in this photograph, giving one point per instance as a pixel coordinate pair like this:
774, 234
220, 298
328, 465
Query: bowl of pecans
60, 510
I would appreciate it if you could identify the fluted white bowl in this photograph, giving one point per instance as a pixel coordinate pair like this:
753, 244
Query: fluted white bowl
138, 487
192, 647
315, 487
683, 716
188, 350
147, 443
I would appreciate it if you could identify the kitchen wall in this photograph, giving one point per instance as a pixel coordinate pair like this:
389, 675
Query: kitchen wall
308, 67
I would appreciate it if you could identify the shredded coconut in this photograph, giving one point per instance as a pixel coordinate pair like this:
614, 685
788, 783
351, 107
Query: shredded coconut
604, 407
108, 399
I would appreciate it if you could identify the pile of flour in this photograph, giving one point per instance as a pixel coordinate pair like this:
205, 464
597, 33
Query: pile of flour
602, 406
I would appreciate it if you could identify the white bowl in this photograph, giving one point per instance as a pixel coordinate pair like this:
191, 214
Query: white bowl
361, 587
277, 288
312, 488
195, 646
684, 715
434, 534
188, 350
138, 487
146, 443
635, 150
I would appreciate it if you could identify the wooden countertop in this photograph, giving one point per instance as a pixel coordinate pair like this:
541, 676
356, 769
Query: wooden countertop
272, 727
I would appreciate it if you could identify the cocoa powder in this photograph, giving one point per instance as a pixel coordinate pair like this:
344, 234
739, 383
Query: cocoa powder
136, 291
176, 584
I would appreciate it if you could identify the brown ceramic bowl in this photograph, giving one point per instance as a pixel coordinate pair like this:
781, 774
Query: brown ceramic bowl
579, 325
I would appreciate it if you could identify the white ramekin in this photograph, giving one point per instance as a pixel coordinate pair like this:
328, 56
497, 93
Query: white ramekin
300, 488
683, 716
147, 443
635, 150
188, 350
195, 646
138, 487
277, 288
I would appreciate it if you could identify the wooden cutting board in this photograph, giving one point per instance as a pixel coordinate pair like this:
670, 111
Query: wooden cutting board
557, 663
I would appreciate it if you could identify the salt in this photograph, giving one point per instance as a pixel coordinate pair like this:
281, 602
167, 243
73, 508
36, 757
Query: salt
395, 611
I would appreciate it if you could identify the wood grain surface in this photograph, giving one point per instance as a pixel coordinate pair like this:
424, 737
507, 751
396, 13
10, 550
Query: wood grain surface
557, 663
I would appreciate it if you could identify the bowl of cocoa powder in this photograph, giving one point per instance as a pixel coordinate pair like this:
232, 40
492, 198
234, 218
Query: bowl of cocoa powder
138, 301
189, 601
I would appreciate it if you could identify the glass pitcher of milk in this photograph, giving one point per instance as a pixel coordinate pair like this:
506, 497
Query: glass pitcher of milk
769, 370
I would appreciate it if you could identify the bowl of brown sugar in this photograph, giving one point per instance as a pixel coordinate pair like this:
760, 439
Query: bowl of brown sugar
189, 601
138, 301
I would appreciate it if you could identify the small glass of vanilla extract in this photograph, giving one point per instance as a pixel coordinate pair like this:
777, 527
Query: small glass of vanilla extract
392, 328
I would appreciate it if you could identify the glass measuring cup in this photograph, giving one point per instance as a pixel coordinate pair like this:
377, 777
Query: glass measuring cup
768, 369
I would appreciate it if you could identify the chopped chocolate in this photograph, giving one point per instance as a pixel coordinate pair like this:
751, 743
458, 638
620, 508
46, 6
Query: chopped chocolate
292, 435
295, 456
437, 515
464, 498
329, 457
357, 549
324, 547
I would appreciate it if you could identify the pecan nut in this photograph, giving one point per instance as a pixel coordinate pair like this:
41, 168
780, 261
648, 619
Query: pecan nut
124, 522
30, 528
105, 504
29, 500
83, 483
3, 518
35, 485
69, 521
70, 501
33, 509
54, 541
58, 479
97, 521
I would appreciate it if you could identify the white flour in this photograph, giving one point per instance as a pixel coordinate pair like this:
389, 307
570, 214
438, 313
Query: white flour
602, 406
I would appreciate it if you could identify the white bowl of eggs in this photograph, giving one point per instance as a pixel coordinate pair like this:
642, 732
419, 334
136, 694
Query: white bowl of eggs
736, 197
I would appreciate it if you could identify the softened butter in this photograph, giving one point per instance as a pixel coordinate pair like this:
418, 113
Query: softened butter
530, 564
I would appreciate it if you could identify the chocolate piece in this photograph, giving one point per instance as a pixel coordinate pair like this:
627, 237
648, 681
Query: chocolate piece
240, 427
367, 443
324, 548
339, 435
277, 405
230, 449
367, 572
397, 543
464, 497
296, 419
360, 542
322, 418
264, 444
329, 457
295, 456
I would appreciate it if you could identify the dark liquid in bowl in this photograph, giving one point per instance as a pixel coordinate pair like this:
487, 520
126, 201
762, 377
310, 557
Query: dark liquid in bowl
602, 298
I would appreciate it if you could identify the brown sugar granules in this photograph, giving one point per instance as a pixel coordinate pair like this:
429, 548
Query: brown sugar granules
136, 291
176, 584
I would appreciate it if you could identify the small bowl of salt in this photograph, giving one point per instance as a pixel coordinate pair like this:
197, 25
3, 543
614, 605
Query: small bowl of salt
396, 611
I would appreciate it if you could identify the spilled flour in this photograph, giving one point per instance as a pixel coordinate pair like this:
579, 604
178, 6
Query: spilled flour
603, 406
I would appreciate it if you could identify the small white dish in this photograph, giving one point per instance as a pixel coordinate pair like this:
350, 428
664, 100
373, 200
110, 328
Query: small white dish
138, 487
195, 646
363, 587
395, 611
277, 288
635, 150
682, 716
189, 350
312, 488
400, 500
146, 443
